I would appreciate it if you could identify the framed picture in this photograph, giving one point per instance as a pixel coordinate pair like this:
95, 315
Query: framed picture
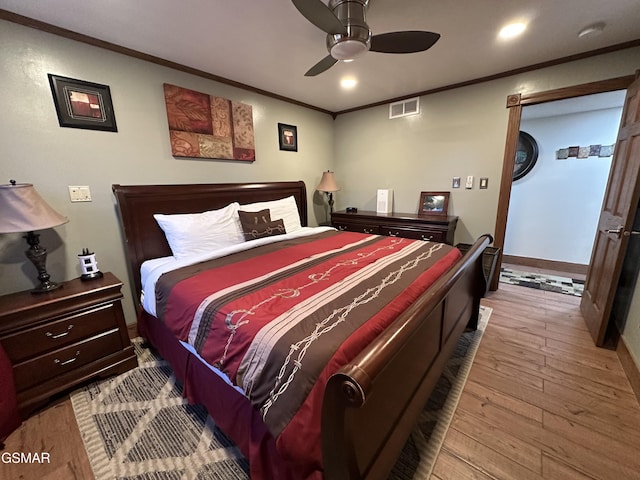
288, 137
81, 104
434, 203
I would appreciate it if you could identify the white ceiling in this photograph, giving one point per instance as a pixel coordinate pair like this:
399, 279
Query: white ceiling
269, 45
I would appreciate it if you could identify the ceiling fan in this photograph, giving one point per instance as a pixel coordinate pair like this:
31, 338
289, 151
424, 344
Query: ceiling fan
349, 36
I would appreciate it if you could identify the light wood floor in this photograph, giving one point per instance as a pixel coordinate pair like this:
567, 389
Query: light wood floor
541, 402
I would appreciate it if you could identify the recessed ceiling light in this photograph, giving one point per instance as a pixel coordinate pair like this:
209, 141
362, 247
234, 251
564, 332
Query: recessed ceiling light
512, 30
592, 30
348, 82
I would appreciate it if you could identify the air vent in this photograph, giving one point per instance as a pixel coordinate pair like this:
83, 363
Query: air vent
404, 108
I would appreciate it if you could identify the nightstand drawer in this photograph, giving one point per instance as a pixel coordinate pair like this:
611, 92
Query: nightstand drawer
58, 333
45, 367
416, 234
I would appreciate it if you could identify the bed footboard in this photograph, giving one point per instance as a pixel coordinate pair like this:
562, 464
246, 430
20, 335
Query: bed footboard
371, 405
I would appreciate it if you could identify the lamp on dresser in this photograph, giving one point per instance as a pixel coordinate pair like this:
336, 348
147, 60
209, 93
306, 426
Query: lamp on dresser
23, 210
328, 185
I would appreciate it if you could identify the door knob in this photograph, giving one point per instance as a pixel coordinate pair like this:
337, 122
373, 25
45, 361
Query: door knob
620, 231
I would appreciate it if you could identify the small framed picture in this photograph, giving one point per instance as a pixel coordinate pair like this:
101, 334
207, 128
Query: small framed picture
456, 182
434, 203
606, 150
288, 137
81, 104
562, 153
484, 183
583, 152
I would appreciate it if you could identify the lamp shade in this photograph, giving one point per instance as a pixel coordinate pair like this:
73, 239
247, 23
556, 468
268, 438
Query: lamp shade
327, 183
22, 209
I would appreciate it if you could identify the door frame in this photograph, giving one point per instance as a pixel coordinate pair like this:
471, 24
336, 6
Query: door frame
515, 102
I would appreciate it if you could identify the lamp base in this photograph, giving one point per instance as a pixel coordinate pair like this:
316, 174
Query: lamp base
330, 201
45, 287
38, 257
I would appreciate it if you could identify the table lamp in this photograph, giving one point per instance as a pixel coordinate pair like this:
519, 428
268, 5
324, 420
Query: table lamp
23, 210
328, 185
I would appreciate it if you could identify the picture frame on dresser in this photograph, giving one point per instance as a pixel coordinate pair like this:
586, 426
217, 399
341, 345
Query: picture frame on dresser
434, 203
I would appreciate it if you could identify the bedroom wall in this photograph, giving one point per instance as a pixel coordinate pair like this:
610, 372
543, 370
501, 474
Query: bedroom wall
35, 149
561, 196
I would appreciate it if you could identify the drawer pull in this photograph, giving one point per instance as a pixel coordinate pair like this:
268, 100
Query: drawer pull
367, 230
67, 362
393, 234
426, 239
342, 228
53, 336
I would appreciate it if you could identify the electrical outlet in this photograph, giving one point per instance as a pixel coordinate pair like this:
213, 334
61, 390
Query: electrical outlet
469, 183
80, 193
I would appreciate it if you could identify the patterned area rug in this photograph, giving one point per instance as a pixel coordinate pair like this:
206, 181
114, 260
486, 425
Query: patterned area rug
551, 283
137, 426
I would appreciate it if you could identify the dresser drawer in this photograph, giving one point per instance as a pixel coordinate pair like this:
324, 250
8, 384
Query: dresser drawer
45, 367
414, 233
357, 227
58, 333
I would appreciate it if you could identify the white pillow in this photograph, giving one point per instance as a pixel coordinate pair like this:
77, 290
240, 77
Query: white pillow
196, 233
285, 209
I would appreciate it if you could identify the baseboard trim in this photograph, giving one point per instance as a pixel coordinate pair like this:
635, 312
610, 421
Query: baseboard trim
546, 264
629, 366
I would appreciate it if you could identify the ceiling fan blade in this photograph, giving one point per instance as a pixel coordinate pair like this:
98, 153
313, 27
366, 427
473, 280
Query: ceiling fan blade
321, 16
410, 41
325, 64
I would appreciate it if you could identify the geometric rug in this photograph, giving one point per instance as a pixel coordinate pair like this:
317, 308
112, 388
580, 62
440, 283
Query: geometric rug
551, 283
137, 426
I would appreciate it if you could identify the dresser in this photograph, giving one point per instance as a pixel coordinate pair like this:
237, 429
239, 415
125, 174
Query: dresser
436, 228
62, 338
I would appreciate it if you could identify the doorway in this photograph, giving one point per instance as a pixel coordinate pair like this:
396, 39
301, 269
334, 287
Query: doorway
515, 104
563, 191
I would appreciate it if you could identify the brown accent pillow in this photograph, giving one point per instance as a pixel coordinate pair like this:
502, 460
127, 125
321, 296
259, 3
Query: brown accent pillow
254, 218
259, 224
269, 229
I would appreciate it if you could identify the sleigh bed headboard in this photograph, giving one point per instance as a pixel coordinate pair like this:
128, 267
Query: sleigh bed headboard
144, 239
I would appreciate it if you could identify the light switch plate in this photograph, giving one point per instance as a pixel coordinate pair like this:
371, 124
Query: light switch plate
80, 193
469, 183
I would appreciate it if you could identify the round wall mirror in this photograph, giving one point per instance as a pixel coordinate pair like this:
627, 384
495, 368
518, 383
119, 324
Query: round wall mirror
526, 155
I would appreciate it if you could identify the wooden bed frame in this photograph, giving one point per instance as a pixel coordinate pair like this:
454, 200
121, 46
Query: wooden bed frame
371, 405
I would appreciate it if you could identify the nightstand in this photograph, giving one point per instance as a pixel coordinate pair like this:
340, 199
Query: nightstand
62, 338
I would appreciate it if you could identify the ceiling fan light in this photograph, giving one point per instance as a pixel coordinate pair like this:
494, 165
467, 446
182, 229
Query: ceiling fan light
348, 49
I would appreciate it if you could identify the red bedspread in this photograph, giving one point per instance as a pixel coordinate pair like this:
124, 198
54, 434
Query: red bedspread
280, 319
